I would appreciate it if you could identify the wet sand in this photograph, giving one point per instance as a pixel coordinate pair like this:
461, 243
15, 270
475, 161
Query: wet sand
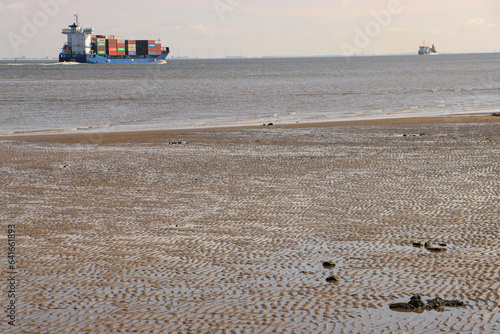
225, 230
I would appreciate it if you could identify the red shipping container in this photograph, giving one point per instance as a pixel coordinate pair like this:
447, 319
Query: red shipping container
101, 48
121, 53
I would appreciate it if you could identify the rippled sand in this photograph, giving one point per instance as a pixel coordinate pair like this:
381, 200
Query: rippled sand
226, 232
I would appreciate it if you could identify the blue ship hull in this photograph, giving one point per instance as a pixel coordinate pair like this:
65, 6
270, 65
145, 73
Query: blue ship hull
97, 59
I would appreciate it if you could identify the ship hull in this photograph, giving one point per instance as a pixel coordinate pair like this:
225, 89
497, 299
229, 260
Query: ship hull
427, 53
98, 59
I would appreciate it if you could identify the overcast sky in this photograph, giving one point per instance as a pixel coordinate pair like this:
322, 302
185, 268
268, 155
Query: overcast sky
254, 28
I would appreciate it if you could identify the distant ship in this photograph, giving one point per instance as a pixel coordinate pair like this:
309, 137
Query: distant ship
427, 50
85, 47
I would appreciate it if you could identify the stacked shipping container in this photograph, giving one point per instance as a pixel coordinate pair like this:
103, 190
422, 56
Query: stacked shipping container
143, 47
157, 49
131, 47
101, 46
151, 49
120, 47
112, 47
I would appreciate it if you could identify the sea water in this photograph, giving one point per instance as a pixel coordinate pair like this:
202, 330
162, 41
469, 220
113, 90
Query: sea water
45, 96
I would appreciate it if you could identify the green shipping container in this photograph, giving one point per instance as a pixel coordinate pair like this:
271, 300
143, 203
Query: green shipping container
101, 52
121, 49
101, 44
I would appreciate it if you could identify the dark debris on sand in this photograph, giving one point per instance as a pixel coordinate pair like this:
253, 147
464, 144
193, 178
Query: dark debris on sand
416, 304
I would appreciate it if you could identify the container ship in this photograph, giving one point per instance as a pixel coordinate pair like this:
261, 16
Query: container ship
427, 50
85, 47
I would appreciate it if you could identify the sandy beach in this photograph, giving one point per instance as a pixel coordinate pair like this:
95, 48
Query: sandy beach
226, 230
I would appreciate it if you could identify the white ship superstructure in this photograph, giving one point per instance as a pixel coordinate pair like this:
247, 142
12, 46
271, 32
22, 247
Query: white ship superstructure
79, 39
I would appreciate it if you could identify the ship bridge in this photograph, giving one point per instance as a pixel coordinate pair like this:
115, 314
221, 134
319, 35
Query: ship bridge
79, 38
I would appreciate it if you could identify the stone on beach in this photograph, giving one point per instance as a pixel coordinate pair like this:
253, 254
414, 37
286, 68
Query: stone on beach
416, 304
328, 264
438, 303
332, 278
432, 248
416, 301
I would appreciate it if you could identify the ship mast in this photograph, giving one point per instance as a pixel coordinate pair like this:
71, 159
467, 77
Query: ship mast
77, 21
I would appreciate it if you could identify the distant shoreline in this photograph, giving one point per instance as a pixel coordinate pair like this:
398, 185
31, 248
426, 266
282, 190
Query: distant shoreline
55, 59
